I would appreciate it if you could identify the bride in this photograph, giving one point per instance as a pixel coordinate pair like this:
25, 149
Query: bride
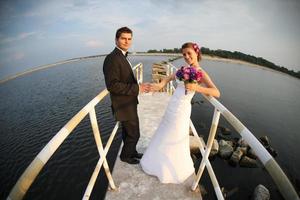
168, 154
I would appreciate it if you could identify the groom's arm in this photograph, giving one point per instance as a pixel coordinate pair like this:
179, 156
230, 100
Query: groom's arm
112, 74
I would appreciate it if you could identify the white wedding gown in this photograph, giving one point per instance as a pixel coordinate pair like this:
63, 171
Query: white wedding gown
168, 154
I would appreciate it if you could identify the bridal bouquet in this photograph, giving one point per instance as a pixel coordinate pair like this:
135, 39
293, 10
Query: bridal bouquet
189, 74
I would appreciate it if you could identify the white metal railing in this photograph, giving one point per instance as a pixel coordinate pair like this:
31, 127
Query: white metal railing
284, 185
31, 172
211, 172
170, 70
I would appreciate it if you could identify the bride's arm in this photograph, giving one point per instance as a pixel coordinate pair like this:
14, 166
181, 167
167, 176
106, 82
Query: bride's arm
163, 83
209, 90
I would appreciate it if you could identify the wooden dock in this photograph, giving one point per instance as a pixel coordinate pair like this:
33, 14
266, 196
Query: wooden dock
131, 181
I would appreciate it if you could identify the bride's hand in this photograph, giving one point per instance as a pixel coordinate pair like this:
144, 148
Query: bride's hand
154, 87
191, 86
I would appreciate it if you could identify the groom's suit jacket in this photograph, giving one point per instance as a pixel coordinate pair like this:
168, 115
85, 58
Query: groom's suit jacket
122, 85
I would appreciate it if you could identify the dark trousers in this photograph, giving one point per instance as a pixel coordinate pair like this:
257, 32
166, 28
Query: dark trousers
130, 136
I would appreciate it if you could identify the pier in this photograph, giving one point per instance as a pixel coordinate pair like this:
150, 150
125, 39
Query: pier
132, 182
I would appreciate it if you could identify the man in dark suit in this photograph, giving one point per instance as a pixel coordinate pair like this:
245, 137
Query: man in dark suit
124, 89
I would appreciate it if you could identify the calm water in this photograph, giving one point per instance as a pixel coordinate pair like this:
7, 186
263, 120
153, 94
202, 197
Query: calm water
34, 107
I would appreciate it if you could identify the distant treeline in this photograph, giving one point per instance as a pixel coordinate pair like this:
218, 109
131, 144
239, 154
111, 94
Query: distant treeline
235, 55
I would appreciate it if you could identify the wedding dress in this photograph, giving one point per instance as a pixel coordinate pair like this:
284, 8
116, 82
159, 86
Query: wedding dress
168, 154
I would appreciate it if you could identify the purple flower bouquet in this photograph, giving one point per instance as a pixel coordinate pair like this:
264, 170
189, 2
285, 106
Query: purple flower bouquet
189, 74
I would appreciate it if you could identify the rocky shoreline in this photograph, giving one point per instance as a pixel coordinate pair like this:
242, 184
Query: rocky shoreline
236, 152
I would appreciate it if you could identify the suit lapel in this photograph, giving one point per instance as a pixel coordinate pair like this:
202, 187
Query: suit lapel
125, 62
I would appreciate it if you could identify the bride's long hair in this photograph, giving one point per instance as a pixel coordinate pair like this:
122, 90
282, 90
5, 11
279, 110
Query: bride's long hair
193, 46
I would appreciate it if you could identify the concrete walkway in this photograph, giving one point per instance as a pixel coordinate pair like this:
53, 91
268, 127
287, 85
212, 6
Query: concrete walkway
132, 182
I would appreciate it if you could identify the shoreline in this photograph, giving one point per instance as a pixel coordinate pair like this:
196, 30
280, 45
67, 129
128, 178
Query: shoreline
204, 57
241, 62
216, 58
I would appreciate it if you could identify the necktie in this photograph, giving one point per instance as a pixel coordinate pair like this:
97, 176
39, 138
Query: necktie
127, 58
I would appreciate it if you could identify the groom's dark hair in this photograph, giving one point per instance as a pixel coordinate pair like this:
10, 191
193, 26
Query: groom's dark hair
123, 30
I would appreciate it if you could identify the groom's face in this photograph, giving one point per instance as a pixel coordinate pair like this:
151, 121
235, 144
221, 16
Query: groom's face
124, 41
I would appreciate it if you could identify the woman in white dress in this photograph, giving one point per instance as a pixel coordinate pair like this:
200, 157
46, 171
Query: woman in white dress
168, 154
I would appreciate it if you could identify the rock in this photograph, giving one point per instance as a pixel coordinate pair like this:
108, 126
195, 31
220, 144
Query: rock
224, 130
194, 158
194, 145
227, 193
230, 142
261, 193
235, 157
222, 136
243, 143
251, 154
214, 148
272, 151
243, 149
191, 132
193, 102
202, 189
196, 102
248, 162
264, 140
225, 150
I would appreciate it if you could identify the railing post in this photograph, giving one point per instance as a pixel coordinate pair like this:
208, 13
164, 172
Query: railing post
97, 137
168, 74
209, 168
94, 176
137, 74
210, 141
171, 82
141, 73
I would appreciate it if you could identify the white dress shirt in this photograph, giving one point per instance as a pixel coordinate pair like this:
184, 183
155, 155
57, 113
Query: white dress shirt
124, 53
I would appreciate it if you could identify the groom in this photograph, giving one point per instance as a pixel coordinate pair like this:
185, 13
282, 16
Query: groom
124, 89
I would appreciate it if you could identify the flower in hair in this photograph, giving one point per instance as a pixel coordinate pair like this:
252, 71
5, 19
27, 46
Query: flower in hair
196, 48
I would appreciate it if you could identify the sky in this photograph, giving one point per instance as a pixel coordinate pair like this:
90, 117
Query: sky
37, 32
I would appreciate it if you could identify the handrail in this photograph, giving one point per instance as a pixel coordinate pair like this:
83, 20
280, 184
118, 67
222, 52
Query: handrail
283, 183
31, 172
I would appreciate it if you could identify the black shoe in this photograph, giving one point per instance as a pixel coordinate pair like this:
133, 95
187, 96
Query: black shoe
138, 155
132, 161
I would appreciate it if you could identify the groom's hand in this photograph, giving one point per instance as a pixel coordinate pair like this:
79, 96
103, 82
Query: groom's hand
144, 87
154, 87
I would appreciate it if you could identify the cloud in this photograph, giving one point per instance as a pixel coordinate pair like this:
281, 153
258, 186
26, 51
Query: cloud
26, 35
18, 56
21, 36
245, 26
93, 44
90, 14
